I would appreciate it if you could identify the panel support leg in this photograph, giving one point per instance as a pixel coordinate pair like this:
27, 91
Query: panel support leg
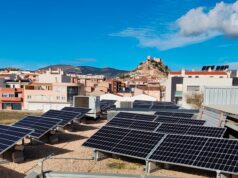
150, 167
167, 166
98, 155
218, 174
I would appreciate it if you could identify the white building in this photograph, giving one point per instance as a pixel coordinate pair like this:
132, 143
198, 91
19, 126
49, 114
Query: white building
182, 86
54, 76
43, 97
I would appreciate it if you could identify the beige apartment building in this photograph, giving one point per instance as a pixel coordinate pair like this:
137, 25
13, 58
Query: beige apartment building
45, 96
53, 90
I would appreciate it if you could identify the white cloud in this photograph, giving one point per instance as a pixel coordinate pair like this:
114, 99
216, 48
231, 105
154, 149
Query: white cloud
232, 65
223, 19
194, 27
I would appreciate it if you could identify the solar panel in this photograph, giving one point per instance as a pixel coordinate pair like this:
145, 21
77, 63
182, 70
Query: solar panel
145, 117
106, 104
133, 124
179, 120
191, 151
120, 122
219, 154
164, 107
142, 102
125, 142
173, 128
144, 106
196, 130
10, 135
218, 68
206, 131
214, 154
40, 125
178, 149
106, 138
166, 119
81, 111
174, 114
154, 105
137, 144
65, 116
191, 121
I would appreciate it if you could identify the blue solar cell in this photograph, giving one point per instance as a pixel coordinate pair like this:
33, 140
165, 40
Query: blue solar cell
10, 135
41, 125
81, 111
65, 116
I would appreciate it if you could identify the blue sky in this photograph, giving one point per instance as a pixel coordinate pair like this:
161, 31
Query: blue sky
116, 33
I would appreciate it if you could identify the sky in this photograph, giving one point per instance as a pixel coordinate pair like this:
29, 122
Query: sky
120, 34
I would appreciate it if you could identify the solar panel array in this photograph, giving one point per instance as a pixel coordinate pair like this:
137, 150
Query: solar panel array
168, 139
154, 105
122, 141
65, 116
196, 130
107, 104
179, 120
168, 128
40, 125
10, 135
175, 114
136, 116
214, 154
217, 68
133, 124
81, 111
36, 127
191, 151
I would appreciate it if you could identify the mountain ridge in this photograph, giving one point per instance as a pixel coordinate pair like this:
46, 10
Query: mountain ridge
85, 70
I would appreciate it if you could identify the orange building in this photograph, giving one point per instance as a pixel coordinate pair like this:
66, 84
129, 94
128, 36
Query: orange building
11, 98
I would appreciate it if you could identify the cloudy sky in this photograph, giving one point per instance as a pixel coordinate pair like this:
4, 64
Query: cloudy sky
120, 34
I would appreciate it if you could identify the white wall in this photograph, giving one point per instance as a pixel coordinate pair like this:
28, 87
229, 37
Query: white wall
53, 78
45, 106
202, 82
168, 89
221, 96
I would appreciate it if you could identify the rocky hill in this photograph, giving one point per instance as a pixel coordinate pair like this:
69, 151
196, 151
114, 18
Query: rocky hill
150, 67
108, 72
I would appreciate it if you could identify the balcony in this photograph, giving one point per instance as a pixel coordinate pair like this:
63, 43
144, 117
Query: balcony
11, 99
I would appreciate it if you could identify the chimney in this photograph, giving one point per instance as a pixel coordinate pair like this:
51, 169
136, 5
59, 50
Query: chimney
183, 72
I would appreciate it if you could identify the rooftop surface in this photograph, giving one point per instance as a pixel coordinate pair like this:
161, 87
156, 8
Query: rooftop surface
231, 109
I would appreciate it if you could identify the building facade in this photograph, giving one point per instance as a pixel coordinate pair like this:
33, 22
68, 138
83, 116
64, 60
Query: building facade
186, 88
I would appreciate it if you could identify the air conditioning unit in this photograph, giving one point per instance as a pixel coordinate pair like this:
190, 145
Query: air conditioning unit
91, 102
125, 104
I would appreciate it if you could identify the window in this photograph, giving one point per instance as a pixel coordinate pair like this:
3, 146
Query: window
8, 95
71, 92
190, 76
221, 76
28, 96
58, 97
196, 76
193, 88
